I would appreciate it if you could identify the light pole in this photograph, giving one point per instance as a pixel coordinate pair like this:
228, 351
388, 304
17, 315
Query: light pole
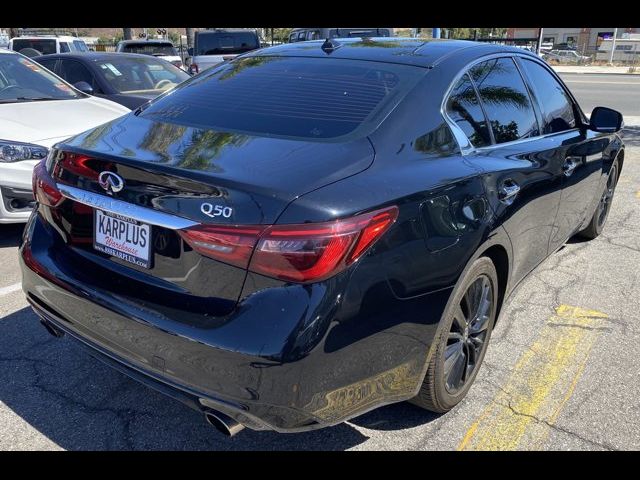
539, 46
613, 45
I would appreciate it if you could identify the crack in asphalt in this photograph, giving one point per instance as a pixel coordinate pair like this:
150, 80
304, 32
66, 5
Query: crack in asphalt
553, 426
125, 415
583, 327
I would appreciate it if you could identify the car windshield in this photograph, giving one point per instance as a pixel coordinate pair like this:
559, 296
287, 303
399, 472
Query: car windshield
22, 80
140, 75
225, 43
155, 49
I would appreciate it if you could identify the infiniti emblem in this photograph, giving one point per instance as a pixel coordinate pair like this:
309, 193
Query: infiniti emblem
110, 181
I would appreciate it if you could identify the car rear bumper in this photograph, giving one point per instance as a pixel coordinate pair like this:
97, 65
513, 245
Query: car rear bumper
288, 367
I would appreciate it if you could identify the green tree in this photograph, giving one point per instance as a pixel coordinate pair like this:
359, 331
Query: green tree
160, 137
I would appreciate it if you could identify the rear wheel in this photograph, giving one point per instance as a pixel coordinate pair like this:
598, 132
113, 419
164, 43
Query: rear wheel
601, 213
462, 341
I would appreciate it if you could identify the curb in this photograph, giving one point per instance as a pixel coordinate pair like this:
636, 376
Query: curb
602, 72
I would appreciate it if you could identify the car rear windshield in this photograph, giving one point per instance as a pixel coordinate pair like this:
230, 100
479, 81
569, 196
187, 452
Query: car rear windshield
358, 32
156, 49
225, 43
311, 98
45, 46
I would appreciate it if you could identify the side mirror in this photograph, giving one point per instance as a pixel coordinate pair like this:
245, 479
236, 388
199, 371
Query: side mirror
190, 51
84, 87
605, 120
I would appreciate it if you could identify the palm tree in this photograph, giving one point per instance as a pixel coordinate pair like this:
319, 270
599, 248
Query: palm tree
490, 95
161, 136
206, 146
190, 36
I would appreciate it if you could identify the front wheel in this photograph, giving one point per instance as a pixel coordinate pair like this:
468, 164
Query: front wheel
463, 339
601, 213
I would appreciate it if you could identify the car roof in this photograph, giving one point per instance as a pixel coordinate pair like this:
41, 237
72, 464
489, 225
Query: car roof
64, 38
408, 51
96, 56
142, 40
226, 30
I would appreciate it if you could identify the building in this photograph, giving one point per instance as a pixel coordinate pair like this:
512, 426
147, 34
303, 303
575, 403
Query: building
627, 49
585, 40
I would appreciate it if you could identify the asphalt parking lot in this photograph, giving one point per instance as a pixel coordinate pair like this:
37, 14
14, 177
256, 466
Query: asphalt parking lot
561, 371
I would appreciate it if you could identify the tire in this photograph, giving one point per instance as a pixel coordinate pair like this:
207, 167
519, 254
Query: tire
601, 213
439, 392
30, 52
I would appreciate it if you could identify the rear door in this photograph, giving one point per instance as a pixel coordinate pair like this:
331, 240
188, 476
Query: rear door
494, 109
581, 152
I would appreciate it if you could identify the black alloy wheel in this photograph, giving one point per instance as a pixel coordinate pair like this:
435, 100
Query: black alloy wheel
461, 343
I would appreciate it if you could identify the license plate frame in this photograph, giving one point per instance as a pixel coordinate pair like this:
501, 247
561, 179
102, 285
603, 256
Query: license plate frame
128, 244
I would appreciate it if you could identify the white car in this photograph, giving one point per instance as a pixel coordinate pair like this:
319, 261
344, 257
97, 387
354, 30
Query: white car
32, 45
158, 48
37, 109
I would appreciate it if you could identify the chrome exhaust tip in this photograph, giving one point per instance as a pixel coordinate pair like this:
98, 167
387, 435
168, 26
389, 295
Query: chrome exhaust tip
223, 423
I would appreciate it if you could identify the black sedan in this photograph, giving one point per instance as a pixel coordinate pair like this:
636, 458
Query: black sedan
313, 230
126, 78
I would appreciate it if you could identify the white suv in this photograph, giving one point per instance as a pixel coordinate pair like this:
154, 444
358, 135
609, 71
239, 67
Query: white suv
37, 110
46, 44
212, 47
158, 48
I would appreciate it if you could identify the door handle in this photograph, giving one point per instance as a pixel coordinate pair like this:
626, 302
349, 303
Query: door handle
570, 164
507, 191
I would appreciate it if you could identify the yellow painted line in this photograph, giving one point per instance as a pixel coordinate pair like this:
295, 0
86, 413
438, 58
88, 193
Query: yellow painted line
540, 385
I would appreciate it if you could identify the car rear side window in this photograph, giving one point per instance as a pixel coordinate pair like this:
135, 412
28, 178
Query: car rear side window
505, 100
556, 106
291, 97
463, 107
73, 72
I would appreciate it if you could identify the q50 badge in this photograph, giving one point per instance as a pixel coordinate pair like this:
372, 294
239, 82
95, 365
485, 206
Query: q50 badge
216, 210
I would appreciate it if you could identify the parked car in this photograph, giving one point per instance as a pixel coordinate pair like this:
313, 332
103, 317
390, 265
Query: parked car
313, 230
37, 109
129, 79
34, 45
158, 48
4, 39
566, 56
304, 34
212, 47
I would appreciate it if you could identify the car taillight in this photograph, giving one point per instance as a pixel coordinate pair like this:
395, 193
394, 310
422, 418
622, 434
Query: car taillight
77, 164
194, 68
44, 187
299, 253
230, 244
